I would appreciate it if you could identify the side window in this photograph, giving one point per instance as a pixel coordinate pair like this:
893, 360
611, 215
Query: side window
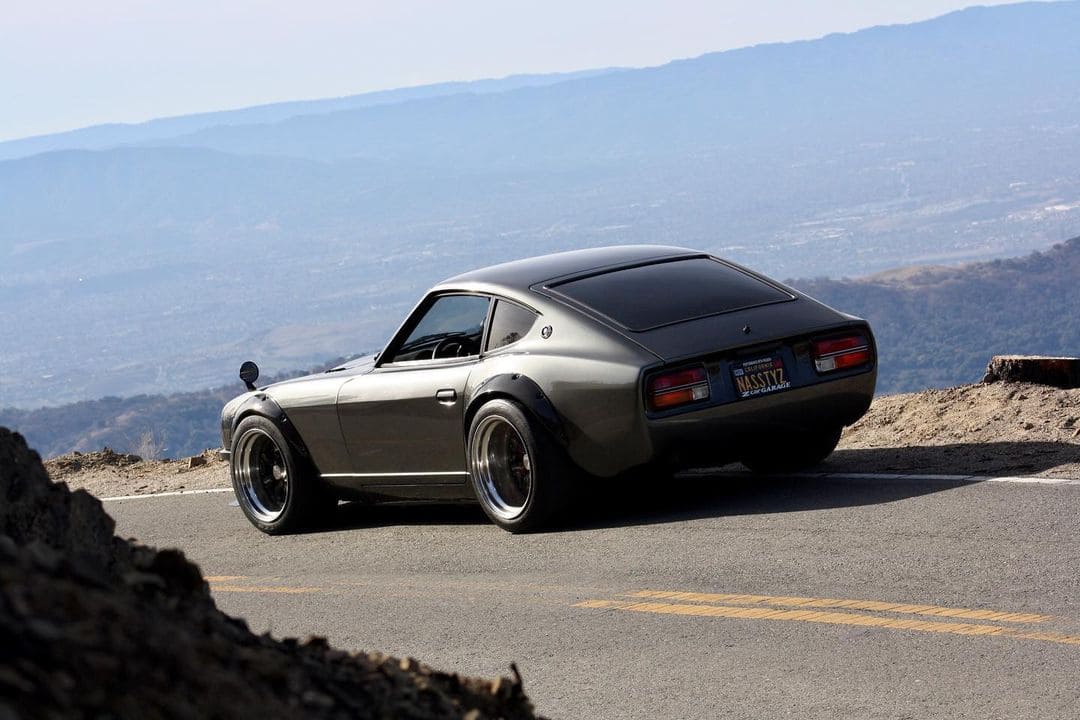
509, 323
452, 326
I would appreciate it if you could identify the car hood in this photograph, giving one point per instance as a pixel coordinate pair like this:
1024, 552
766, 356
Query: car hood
358, 366
366, 362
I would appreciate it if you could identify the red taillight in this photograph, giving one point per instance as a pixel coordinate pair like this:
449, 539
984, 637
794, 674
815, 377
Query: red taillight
840, 353
679, 387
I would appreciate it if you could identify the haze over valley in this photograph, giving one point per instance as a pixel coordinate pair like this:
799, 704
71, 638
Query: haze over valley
154, 258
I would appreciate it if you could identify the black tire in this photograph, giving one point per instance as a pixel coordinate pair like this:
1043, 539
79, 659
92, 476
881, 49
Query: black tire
518, 473
798, 453
278, 491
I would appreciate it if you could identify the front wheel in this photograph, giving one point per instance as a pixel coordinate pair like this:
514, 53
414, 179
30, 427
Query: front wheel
518, 473
276, 490
794, 453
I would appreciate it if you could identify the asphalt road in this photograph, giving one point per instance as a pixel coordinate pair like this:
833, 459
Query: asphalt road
709, 597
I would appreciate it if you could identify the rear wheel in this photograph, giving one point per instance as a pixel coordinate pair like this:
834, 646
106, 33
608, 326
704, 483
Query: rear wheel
277, 491
798, 453
518, 473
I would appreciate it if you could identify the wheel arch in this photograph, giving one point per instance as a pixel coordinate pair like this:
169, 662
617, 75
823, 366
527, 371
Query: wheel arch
523, 391
264, 406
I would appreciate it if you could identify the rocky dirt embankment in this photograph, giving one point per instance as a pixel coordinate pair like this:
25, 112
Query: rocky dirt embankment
106, 473
95, 626
986, 429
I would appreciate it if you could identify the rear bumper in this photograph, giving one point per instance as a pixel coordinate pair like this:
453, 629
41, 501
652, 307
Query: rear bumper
716, 434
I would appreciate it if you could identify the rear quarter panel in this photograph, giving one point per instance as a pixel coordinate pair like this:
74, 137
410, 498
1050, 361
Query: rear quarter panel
591, 375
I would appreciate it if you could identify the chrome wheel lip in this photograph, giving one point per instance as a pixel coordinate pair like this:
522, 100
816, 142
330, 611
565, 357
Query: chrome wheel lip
261, 475
491, 468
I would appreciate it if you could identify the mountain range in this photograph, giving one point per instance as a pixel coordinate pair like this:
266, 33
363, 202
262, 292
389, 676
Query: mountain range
154, 258
99, 137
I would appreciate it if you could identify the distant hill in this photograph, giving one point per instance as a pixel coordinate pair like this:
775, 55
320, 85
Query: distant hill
939, 326
154, 260
98, 137
935, 326
966, 70
151, 426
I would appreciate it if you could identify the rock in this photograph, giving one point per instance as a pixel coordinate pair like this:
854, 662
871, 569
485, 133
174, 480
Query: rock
1062, 372
95, 626
37, 510
76, 462
196, 461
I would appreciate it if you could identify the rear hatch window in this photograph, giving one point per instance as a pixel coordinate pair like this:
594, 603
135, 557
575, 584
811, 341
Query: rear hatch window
651, 296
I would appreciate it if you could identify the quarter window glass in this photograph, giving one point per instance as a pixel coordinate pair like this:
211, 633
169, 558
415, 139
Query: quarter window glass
509, 324
452, 327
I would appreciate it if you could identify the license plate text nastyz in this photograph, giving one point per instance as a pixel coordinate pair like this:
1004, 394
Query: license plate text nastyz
760, 376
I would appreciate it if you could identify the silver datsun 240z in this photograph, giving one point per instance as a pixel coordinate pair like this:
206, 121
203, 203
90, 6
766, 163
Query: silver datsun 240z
515, 383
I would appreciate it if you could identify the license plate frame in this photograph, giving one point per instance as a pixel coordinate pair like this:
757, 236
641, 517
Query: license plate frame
760, 375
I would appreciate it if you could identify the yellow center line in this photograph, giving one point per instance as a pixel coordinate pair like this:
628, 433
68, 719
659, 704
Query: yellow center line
873, 605
227, 583
831, 618
264, 589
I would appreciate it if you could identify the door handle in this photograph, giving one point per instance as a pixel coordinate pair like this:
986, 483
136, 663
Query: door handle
448, 396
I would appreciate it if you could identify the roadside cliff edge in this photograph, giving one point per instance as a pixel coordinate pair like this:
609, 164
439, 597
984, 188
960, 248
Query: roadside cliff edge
94, 625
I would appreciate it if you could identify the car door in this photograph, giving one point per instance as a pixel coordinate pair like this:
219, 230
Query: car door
402, 423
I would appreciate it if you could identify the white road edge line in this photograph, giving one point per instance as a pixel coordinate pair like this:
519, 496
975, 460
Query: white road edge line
1017, 479
1035, 480
167, 494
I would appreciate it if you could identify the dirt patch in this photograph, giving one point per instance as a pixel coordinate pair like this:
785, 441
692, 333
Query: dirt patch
109, 474
991, 429
106, 458
95, 626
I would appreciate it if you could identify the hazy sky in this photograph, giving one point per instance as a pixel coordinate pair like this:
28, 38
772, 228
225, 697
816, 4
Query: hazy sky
71, 63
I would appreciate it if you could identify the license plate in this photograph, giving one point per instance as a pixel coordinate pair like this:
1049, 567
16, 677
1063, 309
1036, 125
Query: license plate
760, 376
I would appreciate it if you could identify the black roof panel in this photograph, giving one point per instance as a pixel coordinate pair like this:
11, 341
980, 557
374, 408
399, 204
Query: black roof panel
523, 274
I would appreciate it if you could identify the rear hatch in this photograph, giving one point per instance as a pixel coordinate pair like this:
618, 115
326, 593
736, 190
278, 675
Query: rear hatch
733, 330
689, 306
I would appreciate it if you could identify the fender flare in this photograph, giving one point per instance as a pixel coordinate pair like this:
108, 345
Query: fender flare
525, 392
264, 406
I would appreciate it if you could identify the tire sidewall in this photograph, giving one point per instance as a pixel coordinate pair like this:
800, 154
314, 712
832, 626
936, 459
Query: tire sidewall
535, 510
289, 520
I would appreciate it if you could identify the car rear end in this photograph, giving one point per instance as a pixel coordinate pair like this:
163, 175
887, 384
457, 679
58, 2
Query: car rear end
746, 366
747, 402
